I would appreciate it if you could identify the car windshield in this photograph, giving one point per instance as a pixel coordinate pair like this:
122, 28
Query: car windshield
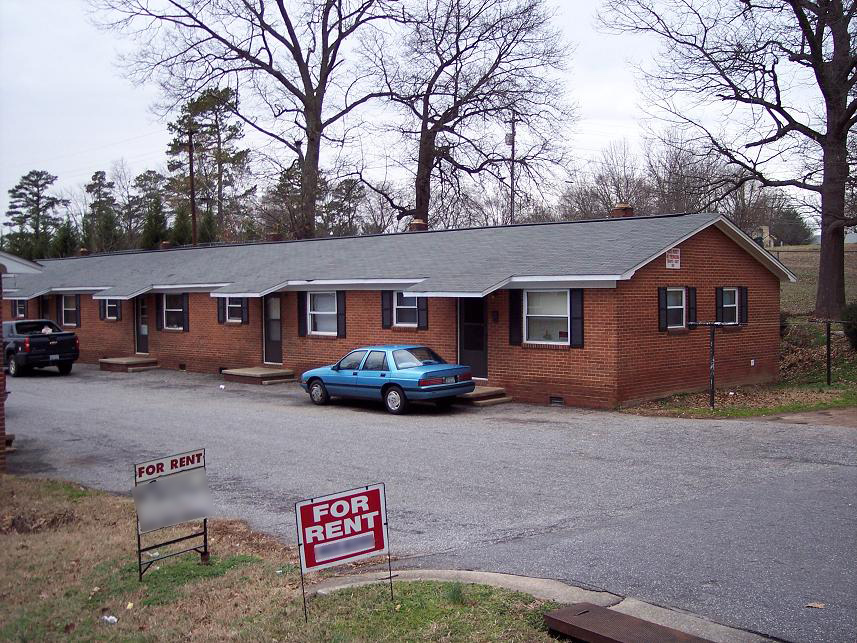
412, 357
36, 327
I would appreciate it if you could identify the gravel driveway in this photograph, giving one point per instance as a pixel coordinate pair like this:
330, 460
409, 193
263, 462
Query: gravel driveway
744, 522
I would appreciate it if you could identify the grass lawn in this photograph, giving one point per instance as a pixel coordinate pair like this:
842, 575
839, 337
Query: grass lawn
68, 558
799, 298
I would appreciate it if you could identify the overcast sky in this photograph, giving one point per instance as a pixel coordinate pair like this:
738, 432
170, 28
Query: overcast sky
66, 108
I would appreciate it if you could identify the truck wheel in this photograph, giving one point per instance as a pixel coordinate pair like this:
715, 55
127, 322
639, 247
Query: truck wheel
15, 370
65, 369
318, 393
395, 401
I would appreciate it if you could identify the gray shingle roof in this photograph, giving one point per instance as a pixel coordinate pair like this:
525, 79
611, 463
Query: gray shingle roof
460, 261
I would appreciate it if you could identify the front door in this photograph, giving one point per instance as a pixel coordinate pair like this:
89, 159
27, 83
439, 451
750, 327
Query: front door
472, 335
273, 330
141, 323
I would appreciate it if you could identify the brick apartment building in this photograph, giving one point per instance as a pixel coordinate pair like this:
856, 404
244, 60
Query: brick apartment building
593, 313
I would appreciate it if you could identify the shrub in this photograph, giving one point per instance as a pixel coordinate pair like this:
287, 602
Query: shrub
784, 323
849, 323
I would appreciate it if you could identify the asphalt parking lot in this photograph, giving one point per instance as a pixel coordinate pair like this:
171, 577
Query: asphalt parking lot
744, 522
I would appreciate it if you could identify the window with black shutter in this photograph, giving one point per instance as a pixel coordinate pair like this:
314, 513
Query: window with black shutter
576, 304
516, 317
387, 308
340, 313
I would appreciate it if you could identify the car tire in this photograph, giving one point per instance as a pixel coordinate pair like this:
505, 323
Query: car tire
318, 393
65, 369
395, 401
15, 369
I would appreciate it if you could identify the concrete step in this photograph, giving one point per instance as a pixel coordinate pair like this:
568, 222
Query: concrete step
140, 369
259, 375
483, 393
492, 401
126, 364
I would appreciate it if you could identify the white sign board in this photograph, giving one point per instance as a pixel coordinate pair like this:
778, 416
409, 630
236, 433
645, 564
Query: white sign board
172, 490
674, 259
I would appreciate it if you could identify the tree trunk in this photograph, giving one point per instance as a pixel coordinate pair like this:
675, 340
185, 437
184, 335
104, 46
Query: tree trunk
422, 184
830, 296
305, 226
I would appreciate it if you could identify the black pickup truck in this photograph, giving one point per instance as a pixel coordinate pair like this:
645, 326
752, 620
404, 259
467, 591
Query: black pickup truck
36, 343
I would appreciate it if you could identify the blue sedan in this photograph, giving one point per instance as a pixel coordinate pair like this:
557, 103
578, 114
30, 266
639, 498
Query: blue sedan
394, 374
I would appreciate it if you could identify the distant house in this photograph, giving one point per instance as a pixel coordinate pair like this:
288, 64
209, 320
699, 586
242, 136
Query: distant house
593, 313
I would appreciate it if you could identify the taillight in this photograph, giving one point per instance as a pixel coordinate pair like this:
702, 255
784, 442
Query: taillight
77, 342
465, 377
431, 381
26, 344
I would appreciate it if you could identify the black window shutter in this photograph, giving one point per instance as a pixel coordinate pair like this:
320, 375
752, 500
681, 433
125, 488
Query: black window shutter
102, 309
159, 311
691, 304
422, 313
340, 313
516, 312
26, 308
662, 309
718, 304
221, 310
742, 306
386, 308
58, 306
77, 307
245, 311
576, 295
186, 312
119, 309
302, 314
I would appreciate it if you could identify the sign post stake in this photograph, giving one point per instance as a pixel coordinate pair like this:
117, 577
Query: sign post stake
300, 564
387, 532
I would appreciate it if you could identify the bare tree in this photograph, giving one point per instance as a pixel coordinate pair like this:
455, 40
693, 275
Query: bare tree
767, 83
461, 69
288, 58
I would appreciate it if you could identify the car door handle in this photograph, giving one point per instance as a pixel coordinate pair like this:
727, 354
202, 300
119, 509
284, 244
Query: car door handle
354, 373
383, 375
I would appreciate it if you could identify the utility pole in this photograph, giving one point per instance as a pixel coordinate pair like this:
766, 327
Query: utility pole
192, 185
510, 140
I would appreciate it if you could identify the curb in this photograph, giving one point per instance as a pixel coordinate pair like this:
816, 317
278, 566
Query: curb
553, 590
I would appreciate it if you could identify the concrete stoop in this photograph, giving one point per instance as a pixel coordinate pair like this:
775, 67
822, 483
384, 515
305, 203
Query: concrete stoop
134, 364
484, 396
259, 375
559, 592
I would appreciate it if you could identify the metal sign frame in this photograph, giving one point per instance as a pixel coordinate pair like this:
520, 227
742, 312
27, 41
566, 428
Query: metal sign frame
384, 527
202, 550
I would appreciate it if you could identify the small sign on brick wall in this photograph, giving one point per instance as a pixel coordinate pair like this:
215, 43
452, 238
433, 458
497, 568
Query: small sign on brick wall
674, 259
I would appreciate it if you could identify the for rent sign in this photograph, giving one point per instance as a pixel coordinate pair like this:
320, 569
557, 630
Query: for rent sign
169, 465
342, 527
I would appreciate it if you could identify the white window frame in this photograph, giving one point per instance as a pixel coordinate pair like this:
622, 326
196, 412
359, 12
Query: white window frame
230, 303
567, 341
310, 313
73, 307
736, 305
172, 310
396, 308
115, 303
20, 308
683, 307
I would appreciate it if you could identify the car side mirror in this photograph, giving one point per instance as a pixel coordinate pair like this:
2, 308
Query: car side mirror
335, 367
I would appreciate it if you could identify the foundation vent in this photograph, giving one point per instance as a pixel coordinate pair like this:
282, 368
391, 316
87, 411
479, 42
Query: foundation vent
182, 367
556, 400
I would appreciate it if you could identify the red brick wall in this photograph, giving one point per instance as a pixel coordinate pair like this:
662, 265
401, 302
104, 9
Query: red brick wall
533, 373
654, 363
363, 326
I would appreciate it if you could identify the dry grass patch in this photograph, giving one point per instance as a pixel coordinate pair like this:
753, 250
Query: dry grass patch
67, 559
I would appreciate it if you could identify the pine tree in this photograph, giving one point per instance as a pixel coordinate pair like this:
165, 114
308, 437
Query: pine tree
66, 240
101, 230
207, 232
155, 224
31, 211
180, 234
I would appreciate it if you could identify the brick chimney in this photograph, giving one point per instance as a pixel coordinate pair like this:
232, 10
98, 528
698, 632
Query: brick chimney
622, 210
166, 245
82, 252
417, 225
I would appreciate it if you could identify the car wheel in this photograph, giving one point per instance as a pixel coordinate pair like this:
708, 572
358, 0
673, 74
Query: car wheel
15, 370
65, 369
395, 400
318, 393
